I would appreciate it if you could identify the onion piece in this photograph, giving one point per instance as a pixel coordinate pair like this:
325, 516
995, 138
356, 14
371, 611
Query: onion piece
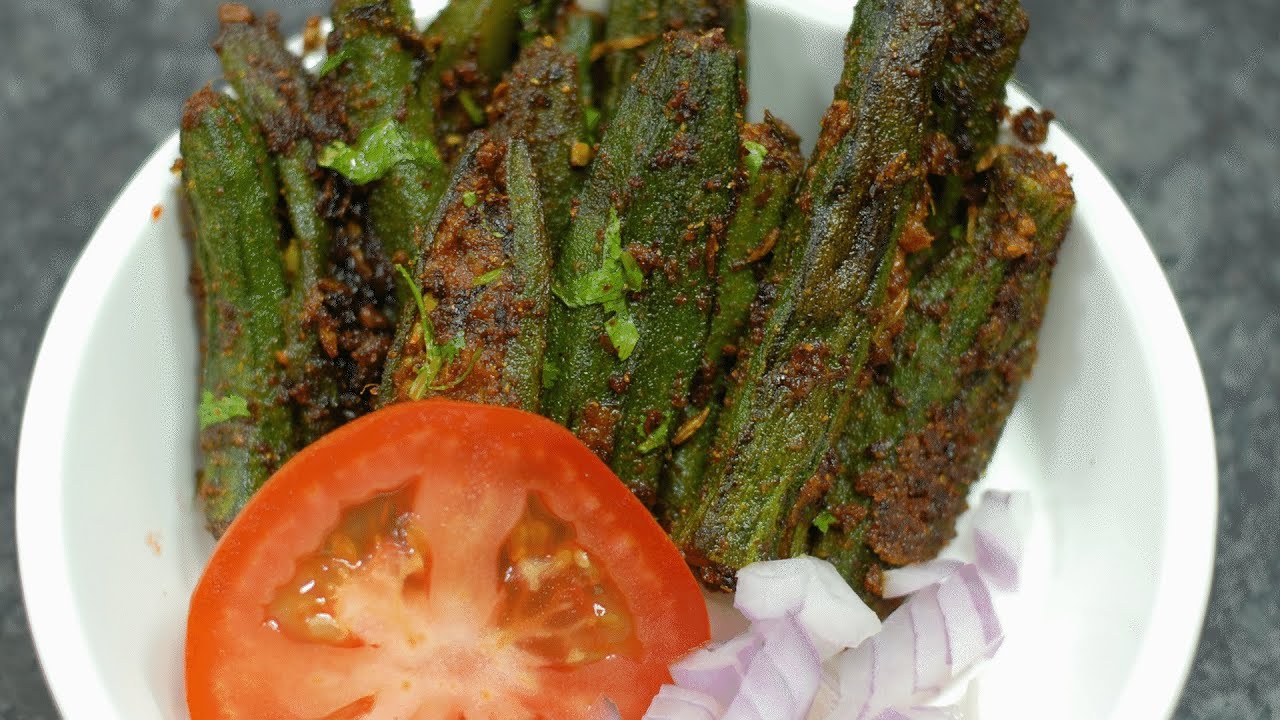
717, 670
929, 631
812, 591
973, 630
1000, 525
783, 678
677, 703
900, 582
918, 713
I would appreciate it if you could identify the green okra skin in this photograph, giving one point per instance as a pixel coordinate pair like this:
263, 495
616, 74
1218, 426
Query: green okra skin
539, 18
660, 188
633, 27
473, 42
984, 39
924, 428
538, 103
579, 32
791, 390
379, 42
275, 92
377, 82
484, 280
531, 254
771, 167
230, 184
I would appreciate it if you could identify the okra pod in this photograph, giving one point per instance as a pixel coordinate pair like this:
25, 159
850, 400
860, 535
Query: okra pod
771, 166
539, 18
925, 426
275, 92
983, 41
538, 103
634, 26
473, 43
634, 277
791, 391
230, 184
375, 82
478, 328
579, 32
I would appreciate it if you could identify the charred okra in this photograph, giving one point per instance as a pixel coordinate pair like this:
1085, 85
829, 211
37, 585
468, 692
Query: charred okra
634, 277
538, 103
477, 331
791, 391
230, 184
926, 424
275, 92
771, 165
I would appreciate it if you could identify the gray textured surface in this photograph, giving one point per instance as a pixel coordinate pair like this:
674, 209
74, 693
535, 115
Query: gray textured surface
1176, 99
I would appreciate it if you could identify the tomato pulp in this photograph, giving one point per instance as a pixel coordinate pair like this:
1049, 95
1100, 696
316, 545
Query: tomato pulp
439, 560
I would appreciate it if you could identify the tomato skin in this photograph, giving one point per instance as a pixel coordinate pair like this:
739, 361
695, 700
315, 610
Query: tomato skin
473, 467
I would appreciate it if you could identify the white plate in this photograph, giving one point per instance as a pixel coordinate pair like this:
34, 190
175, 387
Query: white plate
1112, 436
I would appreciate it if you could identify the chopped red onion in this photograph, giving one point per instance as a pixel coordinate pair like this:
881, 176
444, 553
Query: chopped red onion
1000, 526
677, 703
918, 713
717, 670
973, 630
812, 591
807, 652
782, 679
929, 630
900, 582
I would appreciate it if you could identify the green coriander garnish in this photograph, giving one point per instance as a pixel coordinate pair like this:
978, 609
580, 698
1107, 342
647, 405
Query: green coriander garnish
608, 286
756, 153
215, 410
824, 521
378, 149
487, 278
657, 438
332, 62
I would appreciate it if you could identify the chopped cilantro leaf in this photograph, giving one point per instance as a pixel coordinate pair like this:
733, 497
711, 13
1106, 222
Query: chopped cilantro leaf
631, 271
621, 330
216, 410
593, 120
487, 278
657, 438
550, 374
435, 355
473, 109
607, 286
756, 153
332, 62
378, 149
824, 521
469, 198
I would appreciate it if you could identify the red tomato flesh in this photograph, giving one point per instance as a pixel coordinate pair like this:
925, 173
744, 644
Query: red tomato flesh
439, 561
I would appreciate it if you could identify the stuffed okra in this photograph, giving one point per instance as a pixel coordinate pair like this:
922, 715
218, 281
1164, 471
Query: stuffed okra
771, 165
634, 276
927, 422
477, 331
791, 391
231, 187
275, 92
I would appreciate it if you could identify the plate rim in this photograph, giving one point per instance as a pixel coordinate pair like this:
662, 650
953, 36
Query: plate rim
1176, 620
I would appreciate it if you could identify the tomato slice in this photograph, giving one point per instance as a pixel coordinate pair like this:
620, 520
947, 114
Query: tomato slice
437, 561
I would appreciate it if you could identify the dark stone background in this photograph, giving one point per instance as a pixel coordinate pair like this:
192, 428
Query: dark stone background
1177, 100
